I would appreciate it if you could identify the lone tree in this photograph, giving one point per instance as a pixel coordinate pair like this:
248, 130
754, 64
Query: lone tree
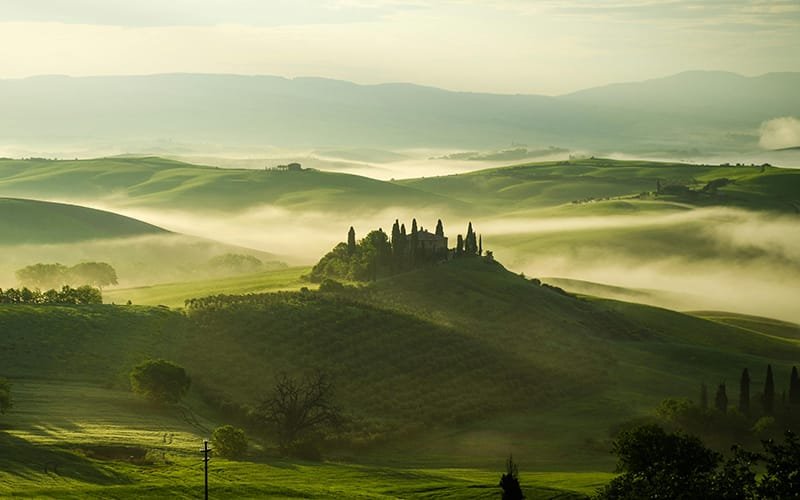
229, 441
794, 388
744, 393
5, 396
768, 399
44, 276
721, 399
298, 408
160, 381
351, 241
509, 481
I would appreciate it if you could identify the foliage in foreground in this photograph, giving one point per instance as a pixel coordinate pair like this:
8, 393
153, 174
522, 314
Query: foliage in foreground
658, 464
160, 381
84, 295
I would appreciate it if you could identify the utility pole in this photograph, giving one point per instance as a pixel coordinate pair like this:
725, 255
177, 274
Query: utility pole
205, 450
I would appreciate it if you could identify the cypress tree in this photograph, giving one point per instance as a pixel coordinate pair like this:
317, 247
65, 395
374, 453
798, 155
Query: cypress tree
480, 245
470, 243
395, 240
413, 226
703, 396
744, 393
769, 393
721, 399
439, 229
351, 241
460, 245
794, 388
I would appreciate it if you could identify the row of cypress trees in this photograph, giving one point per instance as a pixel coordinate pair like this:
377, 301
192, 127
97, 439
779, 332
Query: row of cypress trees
768, 406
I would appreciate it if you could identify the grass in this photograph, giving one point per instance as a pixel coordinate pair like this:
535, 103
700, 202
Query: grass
39, 222
175, 294
76, 442
159, 183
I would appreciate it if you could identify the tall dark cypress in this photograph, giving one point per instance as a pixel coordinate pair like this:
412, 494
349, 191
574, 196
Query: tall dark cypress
744, 393
721, 399
480, 245
351, 241
395, 239
439, 229
768, 400
794, 388
470, 243
460, 245
703, 396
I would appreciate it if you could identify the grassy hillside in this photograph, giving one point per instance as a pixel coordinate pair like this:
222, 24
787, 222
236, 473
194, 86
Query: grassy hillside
547, 184
160, 183
39, 222
466, 351
175, 294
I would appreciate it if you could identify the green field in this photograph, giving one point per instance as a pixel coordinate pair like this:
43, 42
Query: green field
175, 294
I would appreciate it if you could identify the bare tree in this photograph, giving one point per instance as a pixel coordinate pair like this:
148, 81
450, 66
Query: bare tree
298, 408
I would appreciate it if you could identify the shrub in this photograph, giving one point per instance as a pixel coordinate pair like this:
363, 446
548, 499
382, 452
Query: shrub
229, 441
160, 381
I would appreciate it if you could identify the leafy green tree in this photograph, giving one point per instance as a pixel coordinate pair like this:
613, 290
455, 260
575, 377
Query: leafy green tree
768, 398
744, 393
97, 274
782, 477
43, 276
655, 464
6, 403
229, 441
298, 408
160, 381
721, 399
509, 482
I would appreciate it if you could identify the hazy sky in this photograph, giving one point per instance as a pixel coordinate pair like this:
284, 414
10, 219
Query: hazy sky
510, 46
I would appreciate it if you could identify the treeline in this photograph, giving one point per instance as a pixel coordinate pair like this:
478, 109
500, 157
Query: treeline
378, 255
49, 276
84, 295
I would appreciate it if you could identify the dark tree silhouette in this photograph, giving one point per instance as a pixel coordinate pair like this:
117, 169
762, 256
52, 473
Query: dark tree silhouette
480, 245
439, 229
6, 402
351, 241
721, 399
794, 388
703, 396
768, 398
297, 408
509, 481
744, 393
460, 245
782, 477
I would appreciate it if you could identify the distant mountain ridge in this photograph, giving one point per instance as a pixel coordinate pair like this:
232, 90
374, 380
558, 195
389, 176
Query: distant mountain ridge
693, 109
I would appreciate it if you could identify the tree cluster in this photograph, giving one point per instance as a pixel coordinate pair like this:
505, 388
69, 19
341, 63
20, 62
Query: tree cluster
46, 276
379, 255
84, 295
657, 464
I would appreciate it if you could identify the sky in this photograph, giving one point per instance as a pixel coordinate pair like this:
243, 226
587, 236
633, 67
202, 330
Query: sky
503, 46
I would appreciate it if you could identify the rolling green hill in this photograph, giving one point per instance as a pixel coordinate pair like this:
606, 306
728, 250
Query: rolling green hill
548, 184
465, 350
39, 222
159, 183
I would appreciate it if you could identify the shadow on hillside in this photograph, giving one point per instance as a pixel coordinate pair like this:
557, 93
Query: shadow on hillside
27, 461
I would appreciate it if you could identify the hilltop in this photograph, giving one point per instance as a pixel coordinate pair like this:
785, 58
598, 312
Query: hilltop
32, 221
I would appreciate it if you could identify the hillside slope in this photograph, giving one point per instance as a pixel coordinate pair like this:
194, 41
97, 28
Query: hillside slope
167, 184
32, 221
456, 348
